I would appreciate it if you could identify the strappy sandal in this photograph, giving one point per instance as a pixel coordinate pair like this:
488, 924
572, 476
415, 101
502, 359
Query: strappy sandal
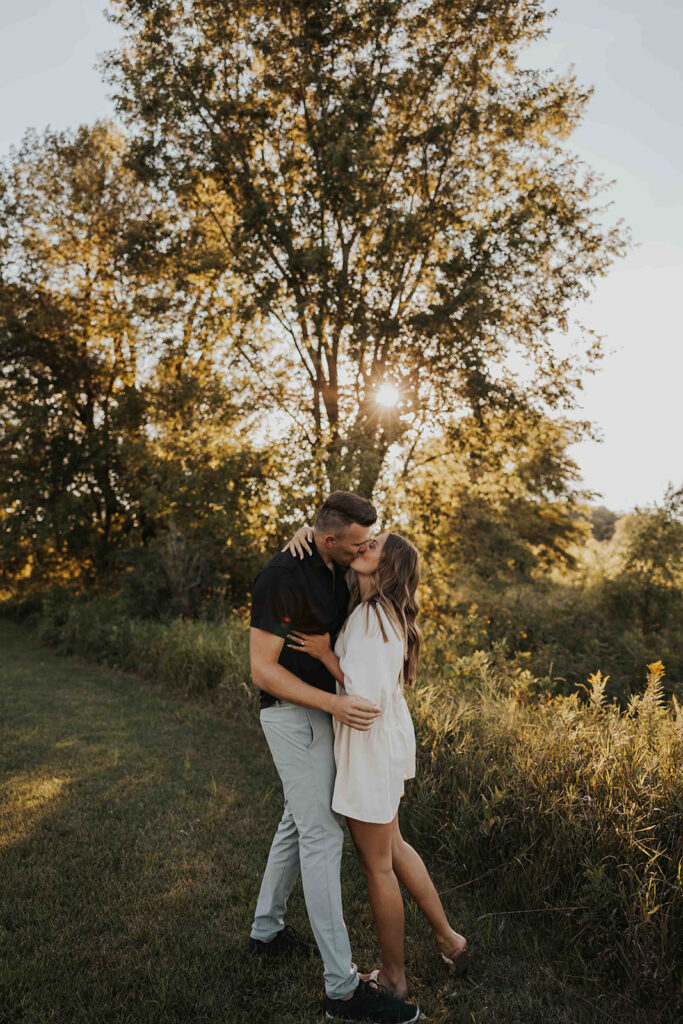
370, 977
374, 976
459, 961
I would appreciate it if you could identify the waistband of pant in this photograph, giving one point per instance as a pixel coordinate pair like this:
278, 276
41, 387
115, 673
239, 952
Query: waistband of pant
267, 701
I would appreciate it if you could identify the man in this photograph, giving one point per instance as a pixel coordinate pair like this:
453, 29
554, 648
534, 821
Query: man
298, 701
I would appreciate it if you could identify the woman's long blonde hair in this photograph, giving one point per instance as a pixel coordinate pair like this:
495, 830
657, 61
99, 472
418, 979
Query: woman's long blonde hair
395, 590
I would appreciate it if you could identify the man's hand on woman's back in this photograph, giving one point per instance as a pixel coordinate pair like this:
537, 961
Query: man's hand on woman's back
356, 712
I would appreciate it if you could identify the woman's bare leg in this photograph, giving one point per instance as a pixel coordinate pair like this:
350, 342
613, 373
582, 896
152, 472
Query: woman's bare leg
374, 845
410, 870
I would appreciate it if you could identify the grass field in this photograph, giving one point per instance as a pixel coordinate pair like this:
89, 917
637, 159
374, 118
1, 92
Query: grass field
134, 832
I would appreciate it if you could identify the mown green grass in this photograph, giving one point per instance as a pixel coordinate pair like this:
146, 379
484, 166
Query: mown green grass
134, 834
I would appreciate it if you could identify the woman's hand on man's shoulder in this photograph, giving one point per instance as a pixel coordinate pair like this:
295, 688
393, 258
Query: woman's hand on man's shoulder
300, 542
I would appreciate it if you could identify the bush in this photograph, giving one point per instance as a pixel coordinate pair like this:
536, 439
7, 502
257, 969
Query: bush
563, 633
558, 804
188, 658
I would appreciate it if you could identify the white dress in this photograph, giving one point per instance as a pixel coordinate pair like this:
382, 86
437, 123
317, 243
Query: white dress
372, 765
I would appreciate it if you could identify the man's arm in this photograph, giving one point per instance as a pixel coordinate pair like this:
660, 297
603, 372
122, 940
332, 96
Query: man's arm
275, 679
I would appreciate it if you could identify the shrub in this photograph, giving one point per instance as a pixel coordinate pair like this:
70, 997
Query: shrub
560, 803
189, 658
562, 633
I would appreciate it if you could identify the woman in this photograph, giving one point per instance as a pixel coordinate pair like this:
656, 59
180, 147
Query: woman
375, 654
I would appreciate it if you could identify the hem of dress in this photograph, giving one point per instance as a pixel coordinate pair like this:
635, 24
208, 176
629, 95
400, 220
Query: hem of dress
348, 813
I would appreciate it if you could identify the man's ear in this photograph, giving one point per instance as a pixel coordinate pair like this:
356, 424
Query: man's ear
330, 541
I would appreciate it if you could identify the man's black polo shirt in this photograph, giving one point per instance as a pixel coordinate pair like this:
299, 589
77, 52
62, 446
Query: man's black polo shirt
300, 594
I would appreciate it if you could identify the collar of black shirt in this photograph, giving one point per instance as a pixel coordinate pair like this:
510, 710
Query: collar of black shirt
318, 563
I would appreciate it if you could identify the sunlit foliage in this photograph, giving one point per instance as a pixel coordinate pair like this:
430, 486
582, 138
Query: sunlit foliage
392, 192
120, 424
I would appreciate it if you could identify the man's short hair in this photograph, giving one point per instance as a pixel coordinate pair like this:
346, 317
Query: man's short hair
342, 509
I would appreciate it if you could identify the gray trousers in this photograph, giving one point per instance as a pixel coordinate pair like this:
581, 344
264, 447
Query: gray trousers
308, 840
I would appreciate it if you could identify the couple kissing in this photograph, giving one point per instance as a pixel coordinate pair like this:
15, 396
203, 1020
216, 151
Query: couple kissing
334, 640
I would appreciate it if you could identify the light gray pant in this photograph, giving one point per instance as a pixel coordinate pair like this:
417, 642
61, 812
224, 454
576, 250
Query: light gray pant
309, 839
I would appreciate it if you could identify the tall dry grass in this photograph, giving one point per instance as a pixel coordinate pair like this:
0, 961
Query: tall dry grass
562, 806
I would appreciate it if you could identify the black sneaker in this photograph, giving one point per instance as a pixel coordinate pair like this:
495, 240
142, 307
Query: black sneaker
286, 941
371, 1002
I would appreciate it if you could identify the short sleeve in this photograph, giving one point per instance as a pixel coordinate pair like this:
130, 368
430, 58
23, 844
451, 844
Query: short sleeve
273, 603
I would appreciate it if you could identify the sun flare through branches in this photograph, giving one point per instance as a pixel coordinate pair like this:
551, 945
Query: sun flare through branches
387, 395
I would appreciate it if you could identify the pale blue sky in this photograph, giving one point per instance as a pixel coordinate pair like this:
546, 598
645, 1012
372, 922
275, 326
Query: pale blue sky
632, 133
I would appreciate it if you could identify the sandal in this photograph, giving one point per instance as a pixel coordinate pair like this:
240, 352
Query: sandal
459, 961
372, 976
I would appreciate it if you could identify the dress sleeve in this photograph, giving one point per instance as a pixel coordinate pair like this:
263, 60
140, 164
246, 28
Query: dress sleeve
370, 665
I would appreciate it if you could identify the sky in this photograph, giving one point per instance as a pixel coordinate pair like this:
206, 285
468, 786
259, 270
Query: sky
632, 134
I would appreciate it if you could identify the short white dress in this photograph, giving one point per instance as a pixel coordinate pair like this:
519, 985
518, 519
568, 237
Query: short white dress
373, 764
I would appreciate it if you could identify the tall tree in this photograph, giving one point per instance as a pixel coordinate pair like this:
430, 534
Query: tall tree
393, 193
70, 342
118, 418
